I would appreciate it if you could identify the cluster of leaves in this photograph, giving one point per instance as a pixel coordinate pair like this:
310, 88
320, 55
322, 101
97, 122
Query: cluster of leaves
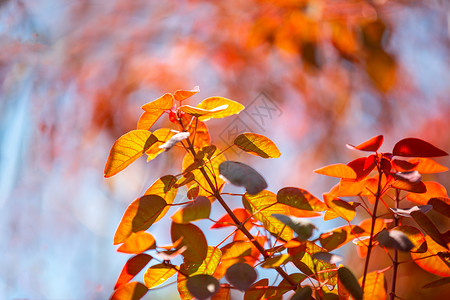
272, 230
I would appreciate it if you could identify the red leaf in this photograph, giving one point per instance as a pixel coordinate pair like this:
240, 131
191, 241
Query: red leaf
413, 147
131, 268
371, 145
363, 166
337, 170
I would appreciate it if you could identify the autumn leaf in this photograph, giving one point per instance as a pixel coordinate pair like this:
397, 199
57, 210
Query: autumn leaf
339, 236
415, 236
200, 208
256, 291
337, 170
428, 226
210, 103
202, 286
429, 261
158, 274
131, 268
127, 149
342, 208
441, 205
243, 175
163, 135
433, 190
139, 215
371, 145
427, 166
257, 144
193, 239
299, 198
374, 287
350, 283
413, 147
154, 110
137, 243
198, 112
241, 275
181, 95
131, 291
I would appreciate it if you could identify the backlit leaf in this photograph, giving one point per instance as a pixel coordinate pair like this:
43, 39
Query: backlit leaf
350, 283
413, 187
162, 103
427, 166
199, 209
415, 236
197, 112
137, 243
233, 107
139, 215
127, 149
225, 221
157, 274
147, 119
181, 95
432, 264
374, 287
131, 291
241, 275
257, 144
163, 135
243, 175
337, 170
327, 257
433, 190
275, 261
193, 239
339, 236
342, 208
200, 135
202, 286
441, 205
165, 188
257, 290
131, 268
286, 286
404, 165
395, 239
413, 147
303, 228
371, 145
263, 205
363, 166
428, 226
300, 199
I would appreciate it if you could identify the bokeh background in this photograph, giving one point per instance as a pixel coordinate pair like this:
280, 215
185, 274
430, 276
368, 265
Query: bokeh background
73, 75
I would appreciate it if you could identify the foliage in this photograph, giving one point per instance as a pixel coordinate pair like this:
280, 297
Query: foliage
270, 229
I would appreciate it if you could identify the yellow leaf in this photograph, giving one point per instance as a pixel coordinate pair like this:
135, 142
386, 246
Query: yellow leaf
147, 119
127, 149
257, 144
342, 208
429, 263
157, 274
162, 103
137, 243
233, 107
163, 135
199, 209
198, 112
374, 287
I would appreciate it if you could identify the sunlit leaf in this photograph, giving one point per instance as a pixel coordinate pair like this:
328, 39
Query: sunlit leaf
165, 188
285, 286
413, 147
200, 135
415, 236
413, 187
275, 261
139, 215
374, 287
147, 119
241, 275
127, 149
137, 243
436, 283
441, 205
243, 175
163, 135
162, 103
158, 274
225, 221
263, 205
303, 228
202, 286
363, 166
207, 266
131, 268
197, 112
404, 165
327, 257
428, 226
433, 190
407, 212
371, 145
173, 140
154, 110
432, 264
193, 239
350, 283
256, 291
395, 239
342, 208
304, 293
181, 95
233, 107
199, 209
339, 236
257, 144
131, 291
300, 199
337, 170
427, 166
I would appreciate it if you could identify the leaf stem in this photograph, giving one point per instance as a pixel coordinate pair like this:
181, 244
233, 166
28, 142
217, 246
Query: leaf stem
395, 260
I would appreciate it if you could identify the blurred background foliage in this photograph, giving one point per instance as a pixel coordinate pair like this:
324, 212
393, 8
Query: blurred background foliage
73, 75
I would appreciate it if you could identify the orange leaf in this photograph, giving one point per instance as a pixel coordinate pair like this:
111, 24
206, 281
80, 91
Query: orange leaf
127, 149
404, 165
432, 264
181, 95
427, 166
342, 208
199, 209
441, 205
233, 107
200, 133
363, 166
433, 189
165, 188
154, 110
300, 199
257, 144
193, 239
131, 268
163, 135
198, 112
147, 119
339, 236
157, 274
413, 187
374, 288
428, 226
415, 236
337, 170
139, 215
162, 103
371, 145
131, 291
413, 147
242, 215
137, 243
